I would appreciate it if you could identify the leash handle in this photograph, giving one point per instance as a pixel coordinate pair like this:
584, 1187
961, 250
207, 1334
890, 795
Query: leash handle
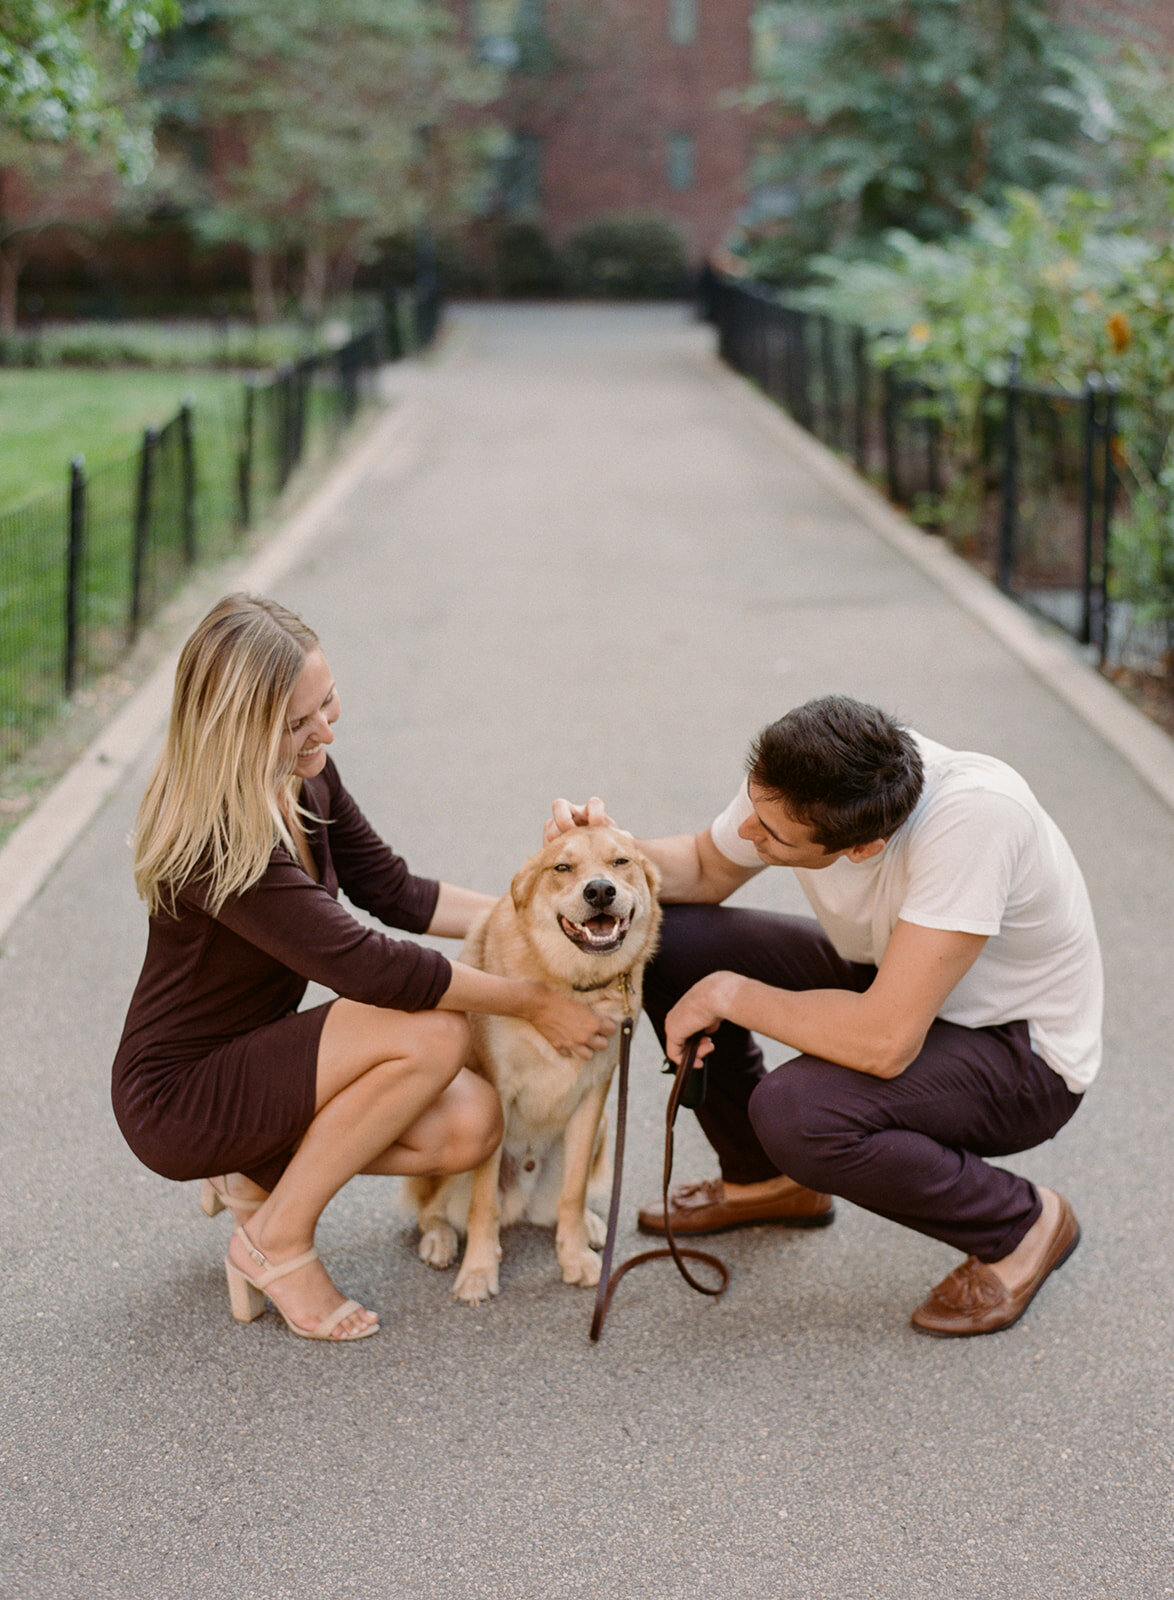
690, 1077
687, 1073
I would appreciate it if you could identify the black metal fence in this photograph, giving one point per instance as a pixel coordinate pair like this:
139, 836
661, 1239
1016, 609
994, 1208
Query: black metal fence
1028, 493
82, 570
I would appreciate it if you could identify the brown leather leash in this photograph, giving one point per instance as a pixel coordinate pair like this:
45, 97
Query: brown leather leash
608, 1279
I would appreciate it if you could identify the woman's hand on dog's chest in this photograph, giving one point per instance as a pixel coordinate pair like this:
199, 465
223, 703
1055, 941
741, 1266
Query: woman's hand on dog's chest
571, 1026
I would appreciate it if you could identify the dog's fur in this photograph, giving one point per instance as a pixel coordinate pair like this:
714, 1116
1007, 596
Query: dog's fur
580, 915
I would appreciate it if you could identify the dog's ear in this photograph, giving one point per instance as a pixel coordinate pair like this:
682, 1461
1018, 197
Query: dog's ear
651, 872
524, 882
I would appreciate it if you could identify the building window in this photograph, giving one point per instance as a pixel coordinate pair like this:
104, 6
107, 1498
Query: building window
683, 21
511, 34
680, 160
521, 176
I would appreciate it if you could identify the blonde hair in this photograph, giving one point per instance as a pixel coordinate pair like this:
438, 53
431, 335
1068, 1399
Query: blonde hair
221, 793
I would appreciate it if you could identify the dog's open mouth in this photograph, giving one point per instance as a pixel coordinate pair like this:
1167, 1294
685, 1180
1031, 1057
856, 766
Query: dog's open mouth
598, 934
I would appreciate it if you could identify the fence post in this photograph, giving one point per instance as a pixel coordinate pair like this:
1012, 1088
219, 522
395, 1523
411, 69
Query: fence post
75, 554
393, 339
1099, 621
244, 466
860, 387
1088, 509
933, 460
284, 394
187, 448
889, 429
1010, 502
142, 530
832, 433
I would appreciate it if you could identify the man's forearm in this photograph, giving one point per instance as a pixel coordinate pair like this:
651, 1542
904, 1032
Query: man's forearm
692, 869
680, 867
834, 1024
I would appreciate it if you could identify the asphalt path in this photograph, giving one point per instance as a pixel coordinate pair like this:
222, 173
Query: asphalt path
581, 557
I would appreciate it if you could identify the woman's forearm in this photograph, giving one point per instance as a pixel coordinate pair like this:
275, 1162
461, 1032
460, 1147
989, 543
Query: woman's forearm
570, 1025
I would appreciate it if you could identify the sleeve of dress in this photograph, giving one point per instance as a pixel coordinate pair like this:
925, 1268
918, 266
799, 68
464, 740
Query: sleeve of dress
300, 924
370, 873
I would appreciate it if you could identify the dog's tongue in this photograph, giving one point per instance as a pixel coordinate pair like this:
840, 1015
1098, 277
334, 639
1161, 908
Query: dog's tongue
601, 931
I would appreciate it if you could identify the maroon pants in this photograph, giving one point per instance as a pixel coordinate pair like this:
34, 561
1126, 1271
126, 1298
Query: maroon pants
910, 1148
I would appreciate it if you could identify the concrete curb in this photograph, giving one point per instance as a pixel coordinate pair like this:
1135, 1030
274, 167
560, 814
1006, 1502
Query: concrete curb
1045, 651
43, 839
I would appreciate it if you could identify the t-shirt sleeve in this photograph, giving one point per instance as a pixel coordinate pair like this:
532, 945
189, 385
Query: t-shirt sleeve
300, 924
724, 830
370, 873
963, 861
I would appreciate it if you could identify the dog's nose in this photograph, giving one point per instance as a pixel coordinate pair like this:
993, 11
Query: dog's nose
599, 892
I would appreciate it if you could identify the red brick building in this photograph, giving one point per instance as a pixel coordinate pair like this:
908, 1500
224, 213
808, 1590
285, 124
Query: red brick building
620, 106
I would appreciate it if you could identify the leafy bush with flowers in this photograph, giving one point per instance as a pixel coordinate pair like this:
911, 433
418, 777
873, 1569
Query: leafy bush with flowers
1070, 283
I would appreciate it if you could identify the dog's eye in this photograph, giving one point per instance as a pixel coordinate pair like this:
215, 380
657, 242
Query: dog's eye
562, 866
621, 861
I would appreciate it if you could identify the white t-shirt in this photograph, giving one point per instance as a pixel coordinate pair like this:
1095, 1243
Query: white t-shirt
980, 855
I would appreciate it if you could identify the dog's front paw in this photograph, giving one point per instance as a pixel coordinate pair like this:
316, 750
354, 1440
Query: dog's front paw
581, 1267
438, 1245
596, 1229
475, 1282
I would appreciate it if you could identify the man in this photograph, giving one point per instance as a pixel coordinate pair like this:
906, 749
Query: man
945, 1003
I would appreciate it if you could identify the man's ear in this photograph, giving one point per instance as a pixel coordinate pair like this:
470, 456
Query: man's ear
524, 880
865, 852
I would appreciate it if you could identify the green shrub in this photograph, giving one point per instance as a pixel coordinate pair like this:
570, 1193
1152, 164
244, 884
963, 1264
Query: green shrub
180, 344
628, 258
525, 262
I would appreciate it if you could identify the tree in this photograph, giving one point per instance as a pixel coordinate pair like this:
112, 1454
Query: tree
326, 128
898, 113
72, 123
55, 78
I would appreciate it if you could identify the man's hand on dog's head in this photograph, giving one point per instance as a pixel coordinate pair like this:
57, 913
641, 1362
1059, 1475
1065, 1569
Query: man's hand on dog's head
566, 816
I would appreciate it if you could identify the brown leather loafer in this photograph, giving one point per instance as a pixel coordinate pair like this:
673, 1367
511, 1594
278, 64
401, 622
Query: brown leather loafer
703, 1208
974, 1299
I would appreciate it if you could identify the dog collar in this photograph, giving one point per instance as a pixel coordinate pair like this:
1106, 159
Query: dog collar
624, 982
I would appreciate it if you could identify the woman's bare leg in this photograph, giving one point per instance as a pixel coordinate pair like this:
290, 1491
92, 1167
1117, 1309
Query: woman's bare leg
379, 1071
459, 1130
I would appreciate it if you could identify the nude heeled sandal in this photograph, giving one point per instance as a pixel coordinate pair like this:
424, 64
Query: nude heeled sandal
215, 1197
247, 1295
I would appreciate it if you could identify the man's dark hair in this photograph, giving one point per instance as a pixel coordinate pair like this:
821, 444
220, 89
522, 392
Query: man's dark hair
844, 770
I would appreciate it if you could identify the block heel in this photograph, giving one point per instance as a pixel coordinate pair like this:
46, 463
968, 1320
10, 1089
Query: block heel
247, 1294
246, 1300
215, 1197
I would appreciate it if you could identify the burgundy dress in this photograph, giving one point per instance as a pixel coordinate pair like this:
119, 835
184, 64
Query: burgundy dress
216, 1070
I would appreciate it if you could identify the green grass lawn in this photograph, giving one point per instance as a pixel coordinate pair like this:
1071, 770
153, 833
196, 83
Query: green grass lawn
47, 416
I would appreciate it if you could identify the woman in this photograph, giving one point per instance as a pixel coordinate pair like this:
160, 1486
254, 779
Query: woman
244, 838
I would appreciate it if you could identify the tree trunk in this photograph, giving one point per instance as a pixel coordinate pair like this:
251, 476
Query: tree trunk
10, 265
343, 272
314, 270
261, 283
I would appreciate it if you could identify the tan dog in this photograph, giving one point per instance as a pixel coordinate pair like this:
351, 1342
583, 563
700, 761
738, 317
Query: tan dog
581, 916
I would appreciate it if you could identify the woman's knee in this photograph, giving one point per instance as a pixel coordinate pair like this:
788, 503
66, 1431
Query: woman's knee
437, 1043
361, 1041
473, 1123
